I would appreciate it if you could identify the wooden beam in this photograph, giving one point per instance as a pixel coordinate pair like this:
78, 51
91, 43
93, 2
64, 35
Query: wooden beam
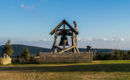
71, 27
66, 49
57, 27
61, 23
58, 47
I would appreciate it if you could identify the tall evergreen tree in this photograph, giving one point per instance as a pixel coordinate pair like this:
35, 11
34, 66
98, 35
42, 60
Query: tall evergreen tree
26, 55
8, 49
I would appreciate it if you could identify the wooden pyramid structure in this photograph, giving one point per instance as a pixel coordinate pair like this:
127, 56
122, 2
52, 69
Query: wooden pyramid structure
65, 30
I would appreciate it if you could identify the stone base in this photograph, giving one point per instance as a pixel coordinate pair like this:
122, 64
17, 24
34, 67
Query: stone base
5, 61
65, 58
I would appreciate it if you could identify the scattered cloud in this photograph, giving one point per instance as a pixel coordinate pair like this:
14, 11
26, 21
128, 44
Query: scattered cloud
105, 39
122, 39
101, 39
46, 39
26, 6
31, 6
113, 43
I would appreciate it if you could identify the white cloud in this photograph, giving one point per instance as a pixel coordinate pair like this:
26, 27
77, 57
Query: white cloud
122, 39
90, 39
85, 39
46, 39
105, 39
118, 39
26, 6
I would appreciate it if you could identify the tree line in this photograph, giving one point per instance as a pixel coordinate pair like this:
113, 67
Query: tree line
114, 55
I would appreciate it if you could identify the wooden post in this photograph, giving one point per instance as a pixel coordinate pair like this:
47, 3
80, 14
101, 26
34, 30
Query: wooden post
64, 44
72, 40
73, 43
55, 42
76, 28
52, 50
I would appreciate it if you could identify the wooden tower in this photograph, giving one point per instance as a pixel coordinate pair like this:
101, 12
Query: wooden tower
65, 30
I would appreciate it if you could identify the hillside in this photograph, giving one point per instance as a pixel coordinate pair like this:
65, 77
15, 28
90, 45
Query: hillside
19, 48
35, 50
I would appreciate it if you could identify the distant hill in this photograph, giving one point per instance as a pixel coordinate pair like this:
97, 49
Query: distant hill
35, 50
19, 48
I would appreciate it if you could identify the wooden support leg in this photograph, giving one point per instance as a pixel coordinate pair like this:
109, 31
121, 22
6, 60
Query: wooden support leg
74, 50
52, 50
55, 50
77, 50
55, 43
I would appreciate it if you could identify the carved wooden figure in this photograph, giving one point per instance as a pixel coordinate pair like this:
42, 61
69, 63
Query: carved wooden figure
65, 30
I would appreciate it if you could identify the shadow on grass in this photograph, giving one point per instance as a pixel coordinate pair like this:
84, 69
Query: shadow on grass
72, 68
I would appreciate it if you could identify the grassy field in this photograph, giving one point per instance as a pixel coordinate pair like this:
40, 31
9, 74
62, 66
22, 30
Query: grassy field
98, 70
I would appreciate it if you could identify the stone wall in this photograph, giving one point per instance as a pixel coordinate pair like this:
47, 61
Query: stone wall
64, 58
4, 61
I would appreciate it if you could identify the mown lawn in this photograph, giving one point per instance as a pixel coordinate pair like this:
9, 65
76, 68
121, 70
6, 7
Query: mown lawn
98, 70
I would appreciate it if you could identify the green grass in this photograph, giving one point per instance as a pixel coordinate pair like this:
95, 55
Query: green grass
98, 70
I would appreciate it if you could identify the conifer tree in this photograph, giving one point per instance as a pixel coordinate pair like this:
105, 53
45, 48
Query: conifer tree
26, 55
8, 49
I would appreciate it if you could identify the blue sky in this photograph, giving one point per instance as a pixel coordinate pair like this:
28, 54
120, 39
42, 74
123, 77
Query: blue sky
102, 23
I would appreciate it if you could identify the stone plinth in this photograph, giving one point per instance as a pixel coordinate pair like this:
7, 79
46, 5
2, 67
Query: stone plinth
5, 61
